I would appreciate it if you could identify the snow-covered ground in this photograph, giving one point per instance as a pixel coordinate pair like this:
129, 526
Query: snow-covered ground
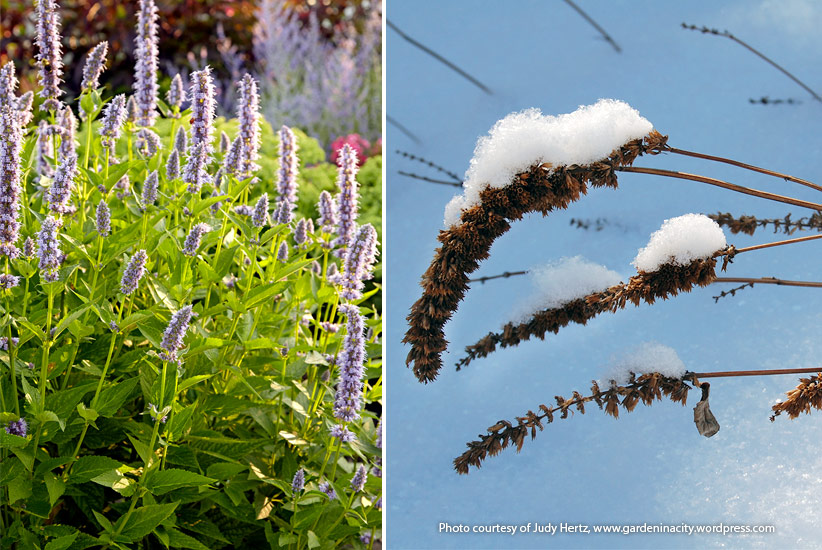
651, 466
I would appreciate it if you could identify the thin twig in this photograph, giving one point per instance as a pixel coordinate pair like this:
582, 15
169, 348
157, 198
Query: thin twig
503, 275
588, 18
769, 245
435, 166
772, 372
393, 122
751, 167
768, 281
726, 34
431, 180
440, 58
720, 183
765, 100
731, 292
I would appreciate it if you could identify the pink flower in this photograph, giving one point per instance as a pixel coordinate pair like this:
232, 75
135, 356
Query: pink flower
356, 142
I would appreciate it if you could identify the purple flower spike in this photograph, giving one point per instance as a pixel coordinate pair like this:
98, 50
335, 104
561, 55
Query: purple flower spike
203, 104
231, 161
7, 282
243, 210
114, 116
194, 173
326, 488
260, 214
342, 433
359, 262
147, 142
176, 95
379, 434
192, 242
8, 84
134, 271
175, 332
173, 165
49, 58
358, 481
17, 427
347, 198
132, 110
378, 504
11, 141
95, 63
23, 106
29, 247
298, 483
67, 129
284, 212
348, 399
49, 248
287, 174
248, 112
282, 253
181, 141
103, 219
301, 231
60, 191
146, 51
150, 189
225, 142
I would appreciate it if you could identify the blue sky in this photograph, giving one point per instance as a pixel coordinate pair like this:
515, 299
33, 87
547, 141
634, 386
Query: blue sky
650, 466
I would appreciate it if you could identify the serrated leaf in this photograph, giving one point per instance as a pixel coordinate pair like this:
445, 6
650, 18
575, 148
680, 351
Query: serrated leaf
261, 293
313, 540
49, 416
143, 521
19, 488
32, 396
10, 468
178, 539
9, 441
89, 415
113, 397
61, 543
160, 482
55, 486
88, 467
114, 479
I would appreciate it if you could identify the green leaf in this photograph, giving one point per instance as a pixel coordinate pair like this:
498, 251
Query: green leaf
112, 398
143, 521
313, 541
32, 396
10, 469
9, 441
66, 321
181, 421
188, 382
114, 479
61, 543
142, 449
88, 467
55, 486
37, 331
49, 464
224, 261
225, 470
19, 488
261, 293
178, 539
160, 482
89, 415
48, 416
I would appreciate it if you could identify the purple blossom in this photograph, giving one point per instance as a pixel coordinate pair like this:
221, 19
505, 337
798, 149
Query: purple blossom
146, 52
283, 212
95, 63
332, 273
248, 112
17, 427
176, 95
147, 142
231, 161
60, 191
365, 538
376, 471
359, 262
175, 332
112, 326
225, 142
347, 198
134, 271
348, 399
150, 189
124, 185
326, 488
260, 214
154, 412
342, 433
379, 434
282, 253
316, 267
173, 165
181, 141
67, 129
28, 247
298, 483
358, 481
378, 504
301, 232
4, 342
49, 249
11, 141
194, 173
114, 116
132, 110
44, 168
103, 219
8, 85
243, 210
23, 106
328, 326
192, 242
287, 174
203, 104
49, 57
7, 282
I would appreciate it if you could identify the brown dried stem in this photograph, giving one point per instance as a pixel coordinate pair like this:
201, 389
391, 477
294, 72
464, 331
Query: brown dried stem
503, 275
430, 180
668, 281
748, 224
596, 25
768, 372
768, 281
723, 184
543, 188
645, 389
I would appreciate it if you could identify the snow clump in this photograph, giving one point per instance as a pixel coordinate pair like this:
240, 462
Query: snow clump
648, 357
680, 241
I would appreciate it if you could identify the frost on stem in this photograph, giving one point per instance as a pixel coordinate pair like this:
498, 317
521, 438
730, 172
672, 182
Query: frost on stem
49, 57
103, 219
114, 116
347, 198
146, 52
134, 271
175, 333
287, 173
541, 187
95, 63
11, 142
192, 242
359, 262
49, 249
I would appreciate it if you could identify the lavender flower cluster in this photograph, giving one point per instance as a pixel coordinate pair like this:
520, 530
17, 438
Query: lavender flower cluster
145, 71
